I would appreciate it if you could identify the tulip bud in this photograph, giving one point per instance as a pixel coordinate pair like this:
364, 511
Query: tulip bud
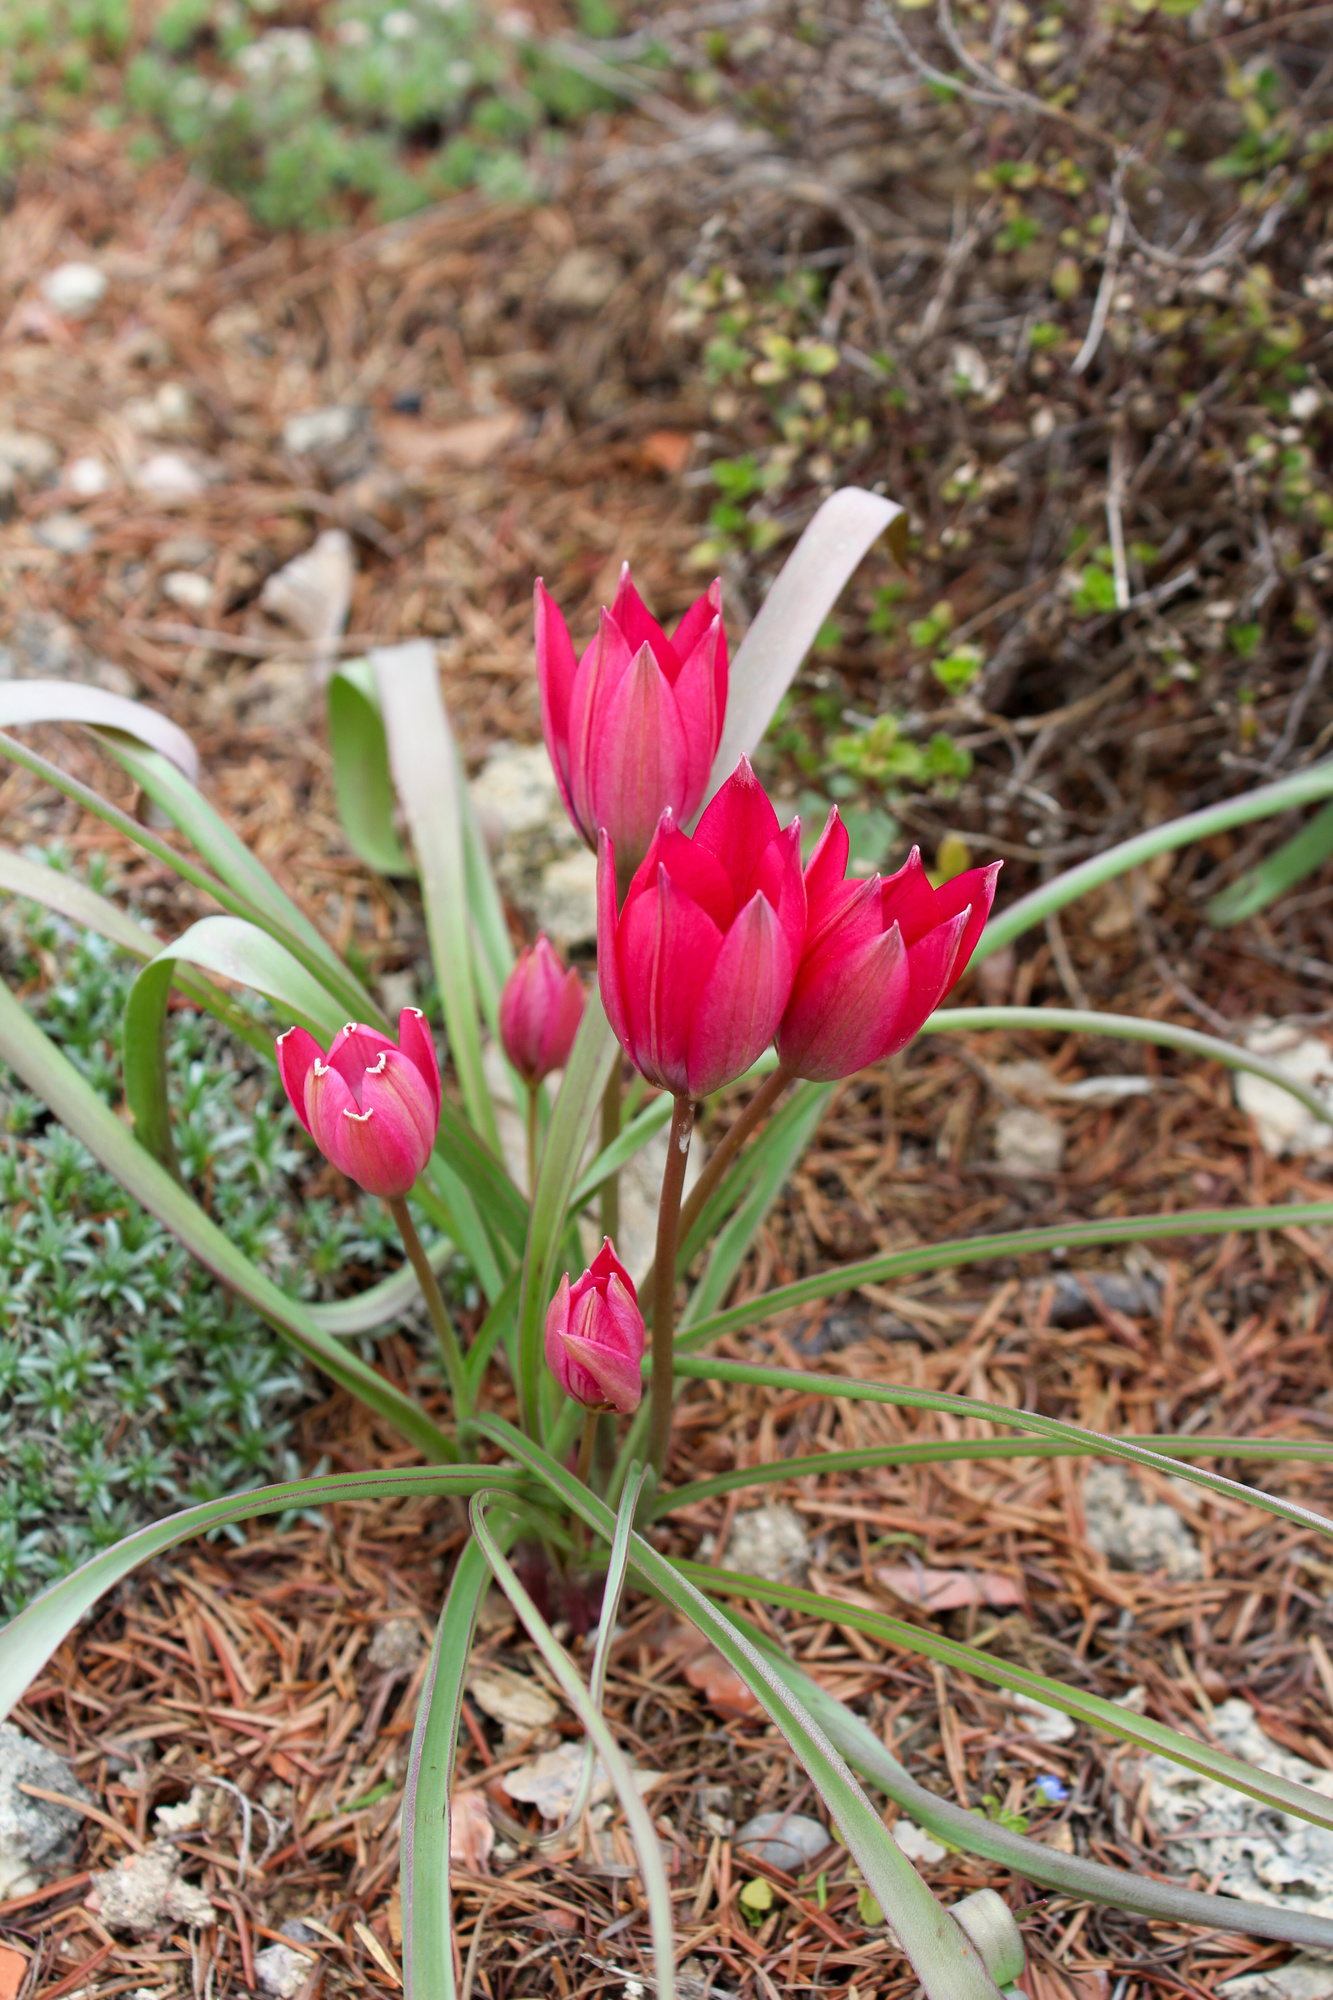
540, 1010
697, 967
370, 1105
879, 957
595, 1336
633, 726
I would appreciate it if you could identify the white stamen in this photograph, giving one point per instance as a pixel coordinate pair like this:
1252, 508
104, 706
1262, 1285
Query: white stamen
287, 1031
377, 1068
321, 1068
360, 1116
349, 1027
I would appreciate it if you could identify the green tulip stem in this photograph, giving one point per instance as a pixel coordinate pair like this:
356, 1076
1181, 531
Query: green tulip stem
586, 1443
450, 1352
610, 1197
664, 1284
532, 1140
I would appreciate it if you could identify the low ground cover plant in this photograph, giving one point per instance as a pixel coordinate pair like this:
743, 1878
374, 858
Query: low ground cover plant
724, 956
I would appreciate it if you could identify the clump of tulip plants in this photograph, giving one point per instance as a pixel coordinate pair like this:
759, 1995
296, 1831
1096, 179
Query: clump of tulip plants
722, 960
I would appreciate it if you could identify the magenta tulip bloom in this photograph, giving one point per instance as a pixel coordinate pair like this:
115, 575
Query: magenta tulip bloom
372, 1106
879, 957
633, 726
698, 966
594, 1336
540, 1011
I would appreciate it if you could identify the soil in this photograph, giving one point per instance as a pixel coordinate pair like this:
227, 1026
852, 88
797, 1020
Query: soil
506, 424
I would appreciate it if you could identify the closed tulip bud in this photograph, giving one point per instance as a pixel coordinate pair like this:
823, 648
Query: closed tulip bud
697, 967
879, 957
595, 1336
371, 1105
540, 1010
633, 726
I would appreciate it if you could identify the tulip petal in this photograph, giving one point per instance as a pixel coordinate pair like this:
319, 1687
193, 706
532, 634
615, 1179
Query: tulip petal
846, 1007
555, 683
932, 960
779, 878
692, 629
667, 948
418, 1045
697, 701
327, 1095
617, 1380
624, 1319
606, 1265
975, 890
387, 1142
297, 1052
562, 1026
597, 674
637, 758
695, 871
642, 629
739, 1007
353, 1050
557, 1325
736, 827
908, 900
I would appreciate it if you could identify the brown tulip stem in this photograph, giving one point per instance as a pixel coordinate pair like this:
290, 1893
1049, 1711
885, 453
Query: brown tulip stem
450, 1352
664, 1286
532, 1142
586, 1443
610, 1194
722, 1156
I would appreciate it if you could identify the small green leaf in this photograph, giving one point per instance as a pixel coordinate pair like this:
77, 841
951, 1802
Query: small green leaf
756, 1899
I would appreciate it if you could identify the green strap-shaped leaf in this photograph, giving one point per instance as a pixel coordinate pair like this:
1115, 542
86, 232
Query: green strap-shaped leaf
579, 1103
1092, 1881
1012, 1243
1275, 874
1126, 1028
26, 702
807, 587
424, 762
713, 1368
764, 1171
29, 1640
237, 950
52, 1077
378, 1304
361, 781
69, 896
428, 1918
944, 1959
1302, 789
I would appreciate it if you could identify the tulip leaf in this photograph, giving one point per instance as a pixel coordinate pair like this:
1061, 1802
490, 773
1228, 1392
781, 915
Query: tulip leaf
69, 896
361, 780
1259, 886
428, 1942
52, 1077
424, 760
1132, 1028
29, 1639
590, 1062
763, 1171
1112, 1716
1302, 788
788, 621
946, 1964
1033, 1860
25, 702
1012, 1243
382, 1302
714, 1368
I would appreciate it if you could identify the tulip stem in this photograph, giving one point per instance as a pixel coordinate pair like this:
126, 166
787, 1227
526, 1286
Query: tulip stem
722, 1156
610, 1197
450, 1352
532, 1142
586, 1443
664, 1285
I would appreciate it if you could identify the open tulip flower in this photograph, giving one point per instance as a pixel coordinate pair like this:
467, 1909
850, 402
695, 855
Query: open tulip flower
595, 1336
879, 957
697, 967
540, 1010
633, 726
371, 1105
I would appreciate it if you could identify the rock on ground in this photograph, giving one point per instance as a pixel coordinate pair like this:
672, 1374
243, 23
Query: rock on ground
35, 1837
771, 1542
1135, 1533
146, 1892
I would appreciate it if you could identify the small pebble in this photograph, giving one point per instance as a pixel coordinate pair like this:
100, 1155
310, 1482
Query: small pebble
789, 1841
168, 476
63, 532
188, 588
87, 476
74, 290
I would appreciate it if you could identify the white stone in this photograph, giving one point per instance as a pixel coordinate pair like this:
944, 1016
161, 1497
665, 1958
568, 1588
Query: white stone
1136, 1533
583, 280
916, 1843
1028, 1141
312, 431
967, 365
1298, 1979
87, 476
1282, 1123
1039, 1719
789, 1841
518, 1703
515, 792
27, 454
64, 532
771, 1542
281, 1971
36, 1838
1305, 403
567, 900
313, 593
188, 588
166, 475
74, 290
145, 1893
551, 1782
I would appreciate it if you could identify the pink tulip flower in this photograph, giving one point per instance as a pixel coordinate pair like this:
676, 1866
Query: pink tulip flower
879, 957
372, 1106
540, 1010
595, 1335
633, 726
697, 967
